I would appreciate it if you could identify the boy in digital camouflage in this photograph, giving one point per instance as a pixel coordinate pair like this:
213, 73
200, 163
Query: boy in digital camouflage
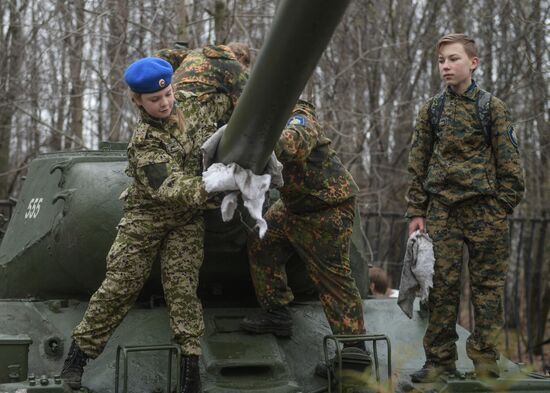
162, 217
463, 188
313, 218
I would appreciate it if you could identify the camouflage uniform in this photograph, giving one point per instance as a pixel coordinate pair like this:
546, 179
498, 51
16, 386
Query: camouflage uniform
162, 218
314, 219
210, 71
174, 56
465, 189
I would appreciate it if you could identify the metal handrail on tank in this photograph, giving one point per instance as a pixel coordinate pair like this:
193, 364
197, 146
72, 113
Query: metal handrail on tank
124, 350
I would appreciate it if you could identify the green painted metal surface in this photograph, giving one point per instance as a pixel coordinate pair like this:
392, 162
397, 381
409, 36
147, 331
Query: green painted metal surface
14, 353
63, 225
65, 222
37, 385
234, 361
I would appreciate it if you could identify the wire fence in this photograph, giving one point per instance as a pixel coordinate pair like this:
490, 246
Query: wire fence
526, 302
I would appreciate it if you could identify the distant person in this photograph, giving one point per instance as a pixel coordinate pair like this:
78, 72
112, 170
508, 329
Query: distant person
313, 219
466, 180
162, 217
379, 283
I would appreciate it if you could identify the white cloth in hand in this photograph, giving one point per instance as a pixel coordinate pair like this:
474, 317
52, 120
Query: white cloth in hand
219, 177
418, 271
229, 205
253, 189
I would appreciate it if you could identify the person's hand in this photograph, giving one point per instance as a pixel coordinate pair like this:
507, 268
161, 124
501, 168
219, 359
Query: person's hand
417, 223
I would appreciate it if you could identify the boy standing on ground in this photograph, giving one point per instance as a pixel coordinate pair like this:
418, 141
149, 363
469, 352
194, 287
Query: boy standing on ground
466, 179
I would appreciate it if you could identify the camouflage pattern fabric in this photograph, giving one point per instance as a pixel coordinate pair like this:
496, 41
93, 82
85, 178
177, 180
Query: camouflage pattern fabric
314, 219
481, 224
177, 147
173, 56
178, 242
159, 221
321, 239
210, 70
465, 188
313, 175
457, 164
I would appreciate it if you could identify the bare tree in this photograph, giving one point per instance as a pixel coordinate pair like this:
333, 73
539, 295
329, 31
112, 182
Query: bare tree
74, 17
12, 47
117, 53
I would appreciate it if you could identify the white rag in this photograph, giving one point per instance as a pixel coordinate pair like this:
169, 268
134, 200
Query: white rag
418, 271
232, 177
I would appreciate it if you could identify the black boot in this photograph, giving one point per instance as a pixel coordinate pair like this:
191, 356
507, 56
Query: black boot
190, 374
73, 368
431, 371
354, 357
277, 321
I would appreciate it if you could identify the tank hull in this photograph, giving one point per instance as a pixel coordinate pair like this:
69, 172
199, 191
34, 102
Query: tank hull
65, 222
234, 361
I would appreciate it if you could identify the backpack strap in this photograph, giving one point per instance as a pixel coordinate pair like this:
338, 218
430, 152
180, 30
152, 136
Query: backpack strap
435, 111
483, 109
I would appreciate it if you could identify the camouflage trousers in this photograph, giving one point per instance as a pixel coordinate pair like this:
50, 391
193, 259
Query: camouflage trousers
177, 240
321, 239
481, 224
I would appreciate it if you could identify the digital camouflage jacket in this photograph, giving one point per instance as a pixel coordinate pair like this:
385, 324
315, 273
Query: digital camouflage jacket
164, 157
454, 163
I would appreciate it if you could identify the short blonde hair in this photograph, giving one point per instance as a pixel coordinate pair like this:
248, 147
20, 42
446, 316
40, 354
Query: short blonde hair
468, 43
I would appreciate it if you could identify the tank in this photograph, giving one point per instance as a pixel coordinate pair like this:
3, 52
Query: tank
52, 258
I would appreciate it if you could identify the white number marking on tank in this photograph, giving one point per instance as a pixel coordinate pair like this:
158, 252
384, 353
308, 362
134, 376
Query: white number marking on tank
33, 208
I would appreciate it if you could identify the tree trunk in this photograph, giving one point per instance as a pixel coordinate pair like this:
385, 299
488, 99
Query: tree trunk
220, 21
76, 48
181, 22
117, 52
10, 68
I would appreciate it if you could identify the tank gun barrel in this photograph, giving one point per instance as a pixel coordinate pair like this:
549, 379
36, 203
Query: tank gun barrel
300, 33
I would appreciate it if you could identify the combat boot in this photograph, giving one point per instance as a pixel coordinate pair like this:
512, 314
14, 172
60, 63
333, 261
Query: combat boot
73, 368
487, 369
354, 357
277, 321
190, 374
431, 371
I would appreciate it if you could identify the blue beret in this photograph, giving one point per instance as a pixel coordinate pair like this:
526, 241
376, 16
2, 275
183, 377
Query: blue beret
148, 75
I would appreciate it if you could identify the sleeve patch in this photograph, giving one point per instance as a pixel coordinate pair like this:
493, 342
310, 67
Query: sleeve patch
297, 120
513, 137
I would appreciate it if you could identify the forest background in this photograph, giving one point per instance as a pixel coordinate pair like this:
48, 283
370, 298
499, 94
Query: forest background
62, 61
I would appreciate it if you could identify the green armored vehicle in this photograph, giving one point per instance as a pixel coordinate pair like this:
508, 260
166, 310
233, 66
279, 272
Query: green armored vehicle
52, 258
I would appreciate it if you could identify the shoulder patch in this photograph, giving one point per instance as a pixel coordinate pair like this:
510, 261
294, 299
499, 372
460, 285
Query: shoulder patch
513, 137
296, 120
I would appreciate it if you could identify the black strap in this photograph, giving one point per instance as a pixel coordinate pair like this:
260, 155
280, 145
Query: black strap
483, 111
